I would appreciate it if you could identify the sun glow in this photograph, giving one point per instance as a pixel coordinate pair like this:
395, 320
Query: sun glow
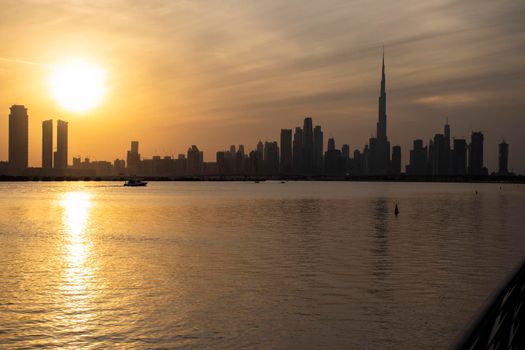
77, 86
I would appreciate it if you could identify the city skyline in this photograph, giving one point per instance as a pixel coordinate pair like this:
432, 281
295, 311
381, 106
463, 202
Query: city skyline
380, 136
172, 81
299, 174
302, 154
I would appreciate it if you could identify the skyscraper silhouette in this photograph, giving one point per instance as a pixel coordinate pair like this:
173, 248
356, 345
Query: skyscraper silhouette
331, 144
195, 161
308, 145
439, 162
297, 150
62, 141
381, 123
18, 138
503, 168
260, 148
447, 166
476, 154
259, 158
135, 147
318, 149
345, 152
380, 147
334, 163
286, 151
133, 158
459, 157
418, 164
47, 144
240, 159
396, 160
271, 158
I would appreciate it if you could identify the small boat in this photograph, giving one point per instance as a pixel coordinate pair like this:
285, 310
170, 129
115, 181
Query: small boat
135, 183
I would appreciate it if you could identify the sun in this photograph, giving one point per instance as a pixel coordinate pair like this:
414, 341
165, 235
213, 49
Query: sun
77, 85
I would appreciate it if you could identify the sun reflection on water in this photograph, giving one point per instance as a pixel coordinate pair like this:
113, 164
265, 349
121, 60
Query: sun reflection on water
76, 206
76, 214
77, 278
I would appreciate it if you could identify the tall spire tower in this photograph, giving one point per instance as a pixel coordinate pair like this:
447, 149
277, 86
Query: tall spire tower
380, 148
381, 124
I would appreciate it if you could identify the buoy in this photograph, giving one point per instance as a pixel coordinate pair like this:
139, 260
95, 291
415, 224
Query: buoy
396, 211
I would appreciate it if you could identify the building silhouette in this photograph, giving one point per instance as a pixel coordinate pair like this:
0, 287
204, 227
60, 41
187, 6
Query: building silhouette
334, 163
345, 153
133, 158
308, 146
18, 138
440, 159
256, 160
259, 158
232, 161
240, 160
307, 149
318, 149
475, 159
459, 157
195, 162
503, 158
271, 158
286, 151
47, 144
396, 160
380, 147
439, 155
418, 163
222, 163
297, 150
60, 160
119, 166
447, 167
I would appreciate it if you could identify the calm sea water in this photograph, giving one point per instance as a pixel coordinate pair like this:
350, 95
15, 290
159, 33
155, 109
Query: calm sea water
301, 265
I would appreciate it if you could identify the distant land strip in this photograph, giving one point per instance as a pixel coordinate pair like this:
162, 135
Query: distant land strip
518, 179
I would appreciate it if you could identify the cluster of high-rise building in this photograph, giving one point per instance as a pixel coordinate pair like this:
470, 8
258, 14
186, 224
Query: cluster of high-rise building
300, 152
443, 156
54, 160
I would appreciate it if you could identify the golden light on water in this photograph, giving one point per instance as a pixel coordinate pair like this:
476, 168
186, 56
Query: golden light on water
76, 207
78, 85
78, 275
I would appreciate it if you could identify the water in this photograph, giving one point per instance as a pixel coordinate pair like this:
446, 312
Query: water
229, 265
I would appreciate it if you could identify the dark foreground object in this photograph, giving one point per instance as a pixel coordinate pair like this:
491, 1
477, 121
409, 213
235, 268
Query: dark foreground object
502, 326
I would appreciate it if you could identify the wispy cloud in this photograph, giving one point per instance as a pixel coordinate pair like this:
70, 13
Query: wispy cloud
448, 100
13, 60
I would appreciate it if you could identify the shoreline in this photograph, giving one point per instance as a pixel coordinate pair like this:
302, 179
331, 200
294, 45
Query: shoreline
516, 179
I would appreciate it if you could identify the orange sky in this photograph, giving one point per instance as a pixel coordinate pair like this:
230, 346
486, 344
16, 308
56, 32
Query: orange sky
200, 72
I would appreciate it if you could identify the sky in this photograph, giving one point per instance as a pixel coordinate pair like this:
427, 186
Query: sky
216, 73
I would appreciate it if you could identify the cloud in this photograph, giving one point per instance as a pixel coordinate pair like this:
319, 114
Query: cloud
447, 101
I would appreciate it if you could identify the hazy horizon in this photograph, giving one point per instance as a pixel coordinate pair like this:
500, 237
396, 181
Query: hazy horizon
196, 72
